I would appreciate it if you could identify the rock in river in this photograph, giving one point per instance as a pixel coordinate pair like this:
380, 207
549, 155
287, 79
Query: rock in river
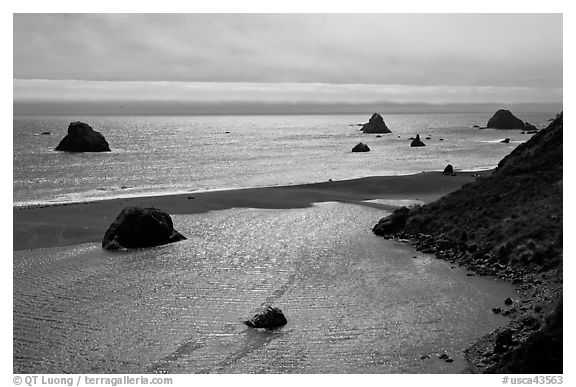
269, 318
140, 227
82, 138
361, 147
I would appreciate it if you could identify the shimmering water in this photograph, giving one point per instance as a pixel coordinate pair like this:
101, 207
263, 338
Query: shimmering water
355, 303
176, 154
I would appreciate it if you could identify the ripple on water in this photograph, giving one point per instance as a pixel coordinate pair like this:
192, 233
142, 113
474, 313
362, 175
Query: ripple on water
355, 302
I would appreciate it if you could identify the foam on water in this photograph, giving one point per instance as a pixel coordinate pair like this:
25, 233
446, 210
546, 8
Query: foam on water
355, 303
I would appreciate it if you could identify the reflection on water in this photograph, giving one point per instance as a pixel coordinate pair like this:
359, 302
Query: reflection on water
355, 303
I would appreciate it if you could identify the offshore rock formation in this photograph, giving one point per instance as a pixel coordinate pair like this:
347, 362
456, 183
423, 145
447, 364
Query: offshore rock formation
82, 138
375, 125
417, 141
504, 119
140, 227
361, 147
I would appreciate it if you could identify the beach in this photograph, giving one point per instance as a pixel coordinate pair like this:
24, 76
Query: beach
68, 224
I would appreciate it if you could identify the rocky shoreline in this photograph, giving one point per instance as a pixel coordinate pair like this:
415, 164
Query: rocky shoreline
527, 313
507, 225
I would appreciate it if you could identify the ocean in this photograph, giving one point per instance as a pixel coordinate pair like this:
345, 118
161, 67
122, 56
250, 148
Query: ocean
355, 302
174, 154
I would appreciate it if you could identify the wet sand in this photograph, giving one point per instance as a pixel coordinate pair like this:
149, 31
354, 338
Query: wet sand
70, 224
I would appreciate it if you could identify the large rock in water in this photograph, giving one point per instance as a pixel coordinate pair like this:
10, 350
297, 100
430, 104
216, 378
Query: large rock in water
417, 141
82, 138
504, 119
140, 227
361, 147
375, 125
269, 318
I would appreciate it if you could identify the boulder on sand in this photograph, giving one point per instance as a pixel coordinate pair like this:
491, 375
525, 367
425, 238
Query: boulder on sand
269, 318
505, 141
361, 147
449, 170
82, 138
140, 227
417, 141
504, 119
375, 125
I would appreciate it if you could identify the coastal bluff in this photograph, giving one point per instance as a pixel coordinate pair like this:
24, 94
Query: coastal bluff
82, 138
507, 224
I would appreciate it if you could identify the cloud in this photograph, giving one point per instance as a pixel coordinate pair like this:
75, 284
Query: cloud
289, 92
472, 50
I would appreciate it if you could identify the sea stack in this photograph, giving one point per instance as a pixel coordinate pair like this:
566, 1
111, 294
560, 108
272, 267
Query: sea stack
375, 125
82, 138
504, 119
361, 147
140, 227
417, 141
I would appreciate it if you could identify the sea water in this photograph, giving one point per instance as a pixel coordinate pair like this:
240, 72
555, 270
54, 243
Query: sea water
169, 154
355, 302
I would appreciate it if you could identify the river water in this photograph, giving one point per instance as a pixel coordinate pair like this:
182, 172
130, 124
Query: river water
355, 303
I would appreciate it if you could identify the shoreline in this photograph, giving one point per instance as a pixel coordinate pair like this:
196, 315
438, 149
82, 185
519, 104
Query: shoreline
123, 194
83, 222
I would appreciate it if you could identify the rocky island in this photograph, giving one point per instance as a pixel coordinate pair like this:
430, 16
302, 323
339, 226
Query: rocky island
82, 138
376, 124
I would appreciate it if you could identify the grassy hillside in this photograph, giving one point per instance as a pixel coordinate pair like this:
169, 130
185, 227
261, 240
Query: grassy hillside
507, 224
514, 215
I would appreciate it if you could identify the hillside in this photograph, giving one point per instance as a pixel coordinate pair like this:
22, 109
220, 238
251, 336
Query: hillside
508, 224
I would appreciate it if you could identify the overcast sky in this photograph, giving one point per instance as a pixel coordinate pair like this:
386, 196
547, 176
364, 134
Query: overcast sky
432, 58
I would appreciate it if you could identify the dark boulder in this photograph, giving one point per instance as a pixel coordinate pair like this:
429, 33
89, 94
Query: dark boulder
417, 141
504, 119
503, 341
505, 141
529, 127
46, 133
269, 318
449, 170
375, 125
82, 138
361, 147
140, 227
393, 223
